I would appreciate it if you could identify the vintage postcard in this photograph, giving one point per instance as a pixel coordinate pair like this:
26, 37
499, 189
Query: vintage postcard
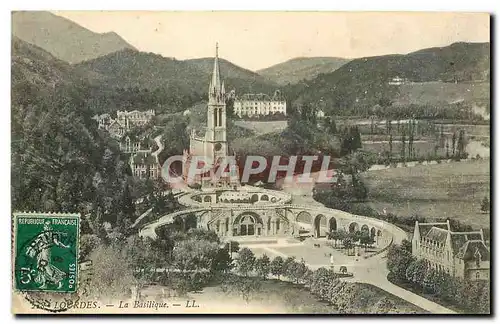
250, 162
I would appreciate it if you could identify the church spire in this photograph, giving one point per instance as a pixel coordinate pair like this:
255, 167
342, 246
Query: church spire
215, 84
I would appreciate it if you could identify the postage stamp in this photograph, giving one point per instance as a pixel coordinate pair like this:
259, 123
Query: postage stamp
46, 252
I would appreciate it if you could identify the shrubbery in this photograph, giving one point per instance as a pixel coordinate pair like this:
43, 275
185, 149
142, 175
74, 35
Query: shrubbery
323, 283
470, 296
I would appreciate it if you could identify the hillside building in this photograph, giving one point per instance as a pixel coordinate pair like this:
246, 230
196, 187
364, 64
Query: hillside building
259, 104
103, 121
398, 81
124, 121
134, 118
145, 164
460, 254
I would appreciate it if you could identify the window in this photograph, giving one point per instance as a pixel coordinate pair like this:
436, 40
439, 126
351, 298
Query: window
478, 275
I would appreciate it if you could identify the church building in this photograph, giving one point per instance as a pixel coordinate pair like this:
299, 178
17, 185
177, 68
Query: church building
212, 145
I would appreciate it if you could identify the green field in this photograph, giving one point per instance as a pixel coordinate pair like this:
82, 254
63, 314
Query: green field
452, 190
443, 92
263, 127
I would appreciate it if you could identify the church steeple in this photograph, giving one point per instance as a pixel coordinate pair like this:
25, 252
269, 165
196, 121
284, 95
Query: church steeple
216, 87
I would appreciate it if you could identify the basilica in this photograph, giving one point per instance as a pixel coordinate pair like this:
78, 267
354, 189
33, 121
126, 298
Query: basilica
211, 147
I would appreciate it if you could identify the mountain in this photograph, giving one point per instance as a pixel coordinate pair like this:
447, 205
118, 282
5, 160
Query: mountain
57, 152
128, 68
37, 74
235, 77
364, 82
300, 68
63, 38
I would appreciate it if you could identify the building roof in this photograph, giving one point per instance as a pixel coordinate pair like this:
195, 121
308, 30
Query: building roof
116, 122
437, 234
460, 241
99, 117
472, 249
424, 228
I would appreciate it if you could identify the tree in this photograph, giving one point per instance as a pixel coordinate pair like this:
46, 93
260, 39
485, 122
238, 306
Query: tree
245, 262
398, 260
356, 138
417, 271
485, 205
461, 144
390, 146
223, 261
360, 191
88, 243
347, 243
296, 270
366, 239
410, 138
262, 266
244, 286
384, 306
403, 146
336, 236
406, 246
195, 254
277, 266
453, 143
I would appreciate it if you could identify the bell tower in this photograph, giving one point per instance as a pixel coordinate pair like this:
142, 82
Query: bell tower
216, 141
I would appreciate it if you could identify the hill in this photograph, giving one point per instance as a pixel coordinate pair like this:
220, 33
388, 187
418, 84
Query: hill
36, 73
56, 149
128, 68
301, 68
235, 77
363, 83
63, 38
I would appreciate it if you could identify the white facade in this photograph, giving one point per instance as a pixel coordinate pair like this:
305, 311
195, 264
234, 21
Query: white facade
259, 104
134, 117
124, 121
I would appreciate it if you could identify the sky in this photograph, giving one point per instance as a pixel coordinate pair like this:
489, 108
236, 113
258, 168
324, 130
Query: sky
256, 40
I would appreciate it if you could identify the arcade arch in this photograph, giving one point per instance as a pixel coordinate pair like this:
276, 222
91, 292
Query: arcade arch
353, 227
304, 217
247, 224
320, 225
332, 224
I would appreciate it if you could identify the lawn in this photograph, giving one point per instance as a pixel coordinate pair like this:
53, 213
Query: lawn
452, 190
443, 92
274, 296
263, 127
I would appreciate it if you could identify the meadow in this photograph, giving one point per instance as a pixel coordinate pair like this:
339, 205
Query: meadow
263, 127
443, 92
453, 190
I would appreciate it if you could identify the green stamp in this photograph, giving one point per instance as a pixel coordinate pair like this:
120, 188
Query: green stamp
46, 252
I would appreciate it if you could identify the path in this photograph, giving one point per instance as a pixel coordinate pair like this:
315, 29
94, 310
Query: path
158, 142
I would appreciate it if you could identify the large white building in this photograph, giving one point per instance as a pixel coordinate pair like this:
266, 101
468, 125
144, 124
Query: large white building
259, 104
